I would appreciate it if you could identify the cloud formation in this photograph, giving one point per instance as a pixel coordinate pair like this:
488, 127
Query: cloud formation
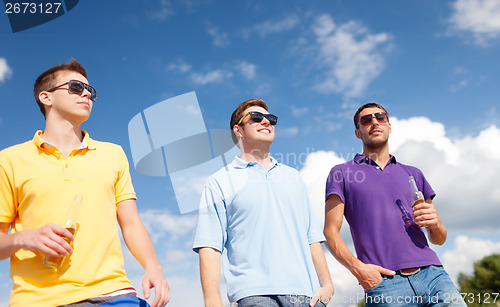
164, 11
246, 69
480, 18
466, 251
214, 76
5, 70
220, 39
271, 27
351, 55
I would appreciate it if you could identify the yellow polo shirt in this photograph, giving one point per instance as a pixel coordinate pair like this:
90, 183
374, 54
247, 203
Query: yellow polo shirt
37, 186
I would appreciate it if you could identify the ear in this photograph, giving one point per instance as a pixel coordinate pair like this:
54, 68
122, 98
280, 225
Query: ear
45, 98
390, 128
357, 133
237, 131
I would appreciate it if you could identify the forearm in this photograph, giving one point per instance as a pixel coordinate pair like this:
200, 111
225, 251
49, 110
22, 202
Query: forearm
320, 264
9, 245
210, 276
139, 244
437, 234
340, 251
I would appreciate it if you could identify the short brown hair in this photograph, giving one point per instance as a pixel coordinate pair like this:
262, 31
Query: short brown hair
238, 113
46, 80
366, 106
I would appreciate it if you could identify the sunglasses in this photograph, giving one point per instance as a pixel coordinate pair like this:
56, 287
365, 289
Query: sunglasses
366, 120
78, 87
257, 117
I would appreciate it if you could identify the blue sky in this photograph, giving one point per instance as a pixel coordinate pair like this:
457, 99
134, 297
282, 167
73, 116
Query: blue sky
433, 64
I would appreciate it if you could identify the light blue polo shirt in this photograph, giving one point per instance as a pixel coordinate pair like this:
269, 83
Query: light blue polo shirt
262, 222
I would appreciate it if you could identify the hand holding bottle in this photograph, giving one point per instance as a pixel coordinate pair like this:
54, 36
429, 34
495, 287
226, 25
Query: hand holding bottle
70, 225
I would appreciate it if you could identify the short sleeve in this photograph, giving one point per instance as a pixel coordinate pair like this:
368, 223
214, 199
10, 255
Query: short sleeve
335, 183
424, 186
211, 230
314, 233
123, 186
8, 207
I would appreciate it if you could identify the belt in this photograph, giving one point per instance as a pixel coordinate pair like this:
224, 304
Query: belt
409, 271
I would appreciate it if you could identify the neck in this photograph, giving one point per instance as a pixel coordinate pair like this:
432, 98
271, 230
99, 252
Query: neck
261, 156
379, 155
63, 134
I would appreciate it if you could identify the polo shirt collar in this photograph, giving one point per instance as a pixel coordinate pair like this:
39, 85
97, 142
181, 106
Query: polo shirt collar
87, 142
240, 163
359, 158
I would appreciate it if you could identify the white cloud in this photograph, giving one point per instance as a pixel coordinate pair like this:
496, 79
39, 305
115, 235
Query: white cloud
5, 70
271, 27
219, 39
161, 223
246, 69
179, 66
422, 129
352, 56
214, 76
289, 131
481, 18
466, 251
164, 11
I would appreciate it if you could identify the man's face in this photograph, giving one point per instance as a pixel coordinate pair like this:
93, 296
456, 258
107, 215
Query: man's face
253, 134
376, 133
67, 105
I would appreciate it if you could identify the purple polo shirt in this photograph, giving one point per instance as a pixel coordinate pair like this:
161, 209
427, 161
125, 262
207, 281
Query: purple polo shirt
378, 210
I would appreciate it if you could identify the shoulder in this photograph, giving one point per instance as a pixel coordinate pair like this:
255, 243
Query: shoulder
342, 167
287, 169
108, 147
410, 169
16, 151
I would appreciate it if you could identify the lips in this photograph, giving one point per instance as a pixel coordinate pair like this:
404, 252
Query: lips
84, 103
376, 131
265, 130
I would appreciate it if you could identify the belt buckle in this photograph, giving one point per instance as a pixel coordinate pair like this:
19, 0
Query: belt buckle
409, 273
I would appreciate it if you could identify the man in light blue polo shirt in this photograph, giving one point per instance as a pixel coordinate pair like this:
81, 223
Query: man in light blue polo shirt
255, 215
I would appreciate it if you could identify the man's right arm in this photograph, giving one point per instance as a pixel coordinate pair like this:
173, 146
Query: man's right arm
46, 239
368, 275
210, 267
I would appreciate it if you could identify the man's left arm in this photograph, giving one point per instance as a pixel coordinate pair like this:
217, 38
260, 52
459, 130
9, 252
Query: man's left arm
139, 243
325, 292
425, 214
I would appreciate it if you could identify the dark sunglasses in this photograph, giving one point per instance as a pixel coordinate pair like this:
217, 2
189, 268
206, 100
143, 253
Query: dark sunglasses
366, 120
78, 87
257, 117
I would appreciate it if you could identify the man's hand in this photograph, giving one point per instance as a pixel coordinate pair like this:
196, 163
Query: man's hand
370, 275
48, 239
155, 279
324, 294
425, 214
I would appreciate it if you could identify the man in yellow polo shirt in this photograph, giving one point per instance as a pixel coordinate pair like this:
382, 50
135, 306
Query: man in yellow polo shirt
38, 182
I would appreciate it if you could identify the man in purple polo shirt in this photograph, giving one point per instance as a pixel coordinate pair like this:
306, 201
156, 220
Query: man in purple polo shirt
394, 263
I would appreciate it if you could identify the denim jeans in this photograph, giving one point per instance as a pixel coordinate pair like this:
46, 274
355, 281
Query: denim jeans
120, 301
430, 287
276, 301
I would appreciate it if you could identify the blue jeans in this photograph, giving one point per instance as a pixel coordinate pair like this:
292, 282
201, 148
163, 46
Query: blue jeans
128, 301
120, 301
276, 301
430, 287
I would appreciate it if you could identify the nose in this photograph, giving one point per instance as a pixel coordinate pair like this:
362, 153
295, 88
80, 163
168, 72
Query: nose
265, 122
86, 93
376, 121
